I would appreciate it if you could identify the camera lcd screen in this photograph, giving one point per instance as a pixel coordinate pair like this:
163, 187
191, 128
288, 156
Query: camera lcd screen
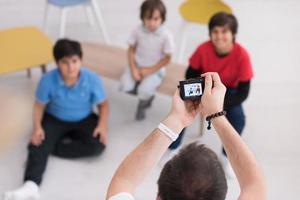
193, 90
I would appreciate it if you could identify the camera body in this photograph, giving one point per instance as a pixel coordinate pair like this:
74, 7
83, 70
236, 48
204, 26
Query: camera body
191, 89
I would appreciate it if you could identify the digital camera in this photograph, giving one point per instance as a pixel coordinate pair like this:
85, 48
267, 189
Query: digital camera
191, 89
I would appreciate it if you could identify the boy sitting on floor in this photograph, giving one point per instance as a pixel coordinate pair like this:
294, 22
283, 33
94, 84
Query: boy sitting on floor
63, 118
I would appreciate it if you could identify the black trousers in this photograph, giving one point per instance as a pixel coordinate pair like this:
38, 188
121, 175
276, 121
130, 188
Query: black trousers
63, 139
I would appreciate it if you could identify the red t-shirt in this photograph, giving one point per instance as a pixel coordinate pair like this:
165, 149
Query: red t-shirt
232, 68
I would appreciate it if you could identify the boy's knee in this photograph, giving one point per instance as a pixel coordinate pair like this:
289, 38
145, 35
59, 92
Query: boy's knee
126, 82
38, 149
148, 88
97, 148
145, 92
125, 87
236, 113
37, 153
236, 117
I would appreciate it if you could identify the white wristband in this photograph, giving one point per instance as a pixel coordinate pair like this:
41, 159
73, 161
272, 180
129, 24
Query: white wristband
168, 132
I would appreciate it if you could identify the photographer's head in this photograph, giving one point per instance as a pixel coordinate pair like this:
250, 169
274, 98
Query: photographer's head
194, 174
68, 56
222, 31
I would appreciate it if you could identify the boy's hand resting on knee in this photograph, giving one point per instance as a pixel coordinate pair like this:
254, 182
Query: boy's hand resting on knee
136, 74
146, 71
101, 131
38, 136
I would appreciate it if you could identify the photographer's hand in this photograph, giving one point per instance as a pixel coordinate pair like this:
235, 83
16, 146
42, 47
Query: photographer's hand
244, 163
143, 158
214, 92
183, 112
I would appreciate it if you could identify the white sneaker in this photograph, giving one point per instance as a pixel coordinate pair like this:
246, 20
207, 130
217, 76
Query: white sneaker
29, 191
227, 167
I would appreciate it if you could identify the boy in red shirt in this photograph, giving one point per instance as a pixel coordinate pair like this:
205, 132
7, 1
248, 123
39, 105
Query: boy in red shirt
222, 54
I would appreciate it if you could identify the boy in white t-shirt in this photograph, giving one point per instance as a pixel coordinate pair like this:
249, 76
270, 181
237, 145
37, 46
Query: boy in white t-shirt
150, 49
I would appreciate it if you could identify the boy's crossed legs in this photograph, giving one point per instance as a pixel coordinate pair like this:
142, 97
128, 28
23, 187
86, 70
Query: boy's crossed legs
63, 139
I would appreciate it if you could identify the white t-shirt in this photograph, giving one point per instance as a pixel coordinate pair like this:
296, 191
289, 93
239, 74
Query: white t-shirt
151, 47
122, 196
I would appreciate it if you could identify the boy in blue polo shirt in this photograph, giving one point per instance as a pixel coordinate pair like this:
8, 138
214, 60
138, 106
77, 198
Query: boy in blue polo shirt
63, 118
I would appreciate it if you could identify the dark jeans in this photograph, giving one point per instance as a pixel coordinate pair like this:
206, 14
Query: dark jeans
63, 139
235, 116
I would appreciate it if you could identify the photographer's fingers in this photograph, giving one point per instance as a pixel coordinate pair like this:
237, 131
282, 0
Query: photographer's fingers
176, 93
216, 79
196, 104
208, 84
176, 96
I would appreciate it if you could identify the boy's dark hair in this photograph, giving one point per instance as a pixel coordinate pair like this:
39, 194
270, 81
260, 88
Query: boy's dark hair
223, 19
149, 6
66, 48
194, 174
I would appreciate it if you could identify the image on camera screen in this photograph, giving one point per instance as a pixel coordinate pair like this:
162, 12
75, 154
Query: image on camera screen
193, 89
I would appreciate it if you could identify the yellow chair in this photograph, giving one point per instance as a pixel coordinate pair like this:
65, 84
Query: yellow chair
23, 48
198, 11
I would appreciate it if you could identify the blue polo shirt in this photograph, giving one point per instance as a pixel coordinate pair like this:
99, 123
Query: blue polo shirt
70, 103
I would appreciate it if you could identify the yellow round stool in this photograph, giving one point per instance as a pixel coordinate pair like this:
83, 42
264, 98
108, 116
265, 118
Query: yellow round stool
23, 48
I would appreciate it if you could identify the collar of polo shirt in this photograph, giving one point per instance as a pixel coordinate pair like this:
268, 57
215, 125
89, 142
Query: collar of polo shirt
62, 82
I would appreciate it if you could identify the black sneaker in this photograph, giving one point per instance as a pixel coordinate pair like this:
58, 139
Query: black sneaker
141, 109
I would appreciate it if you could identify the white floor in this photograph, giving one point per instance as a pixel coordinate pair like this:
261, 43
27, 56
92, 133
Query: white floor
269, 30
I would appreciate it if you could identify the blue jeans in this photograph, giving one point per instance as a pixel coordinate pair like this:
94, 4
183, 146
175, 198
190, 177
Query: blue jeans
235, 116
177, 142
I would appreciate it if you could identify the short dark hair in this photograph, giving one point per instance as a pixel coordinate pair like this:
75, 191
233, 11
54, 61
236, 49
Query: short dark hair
194, 174
66, 48
149, 6
223, 19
